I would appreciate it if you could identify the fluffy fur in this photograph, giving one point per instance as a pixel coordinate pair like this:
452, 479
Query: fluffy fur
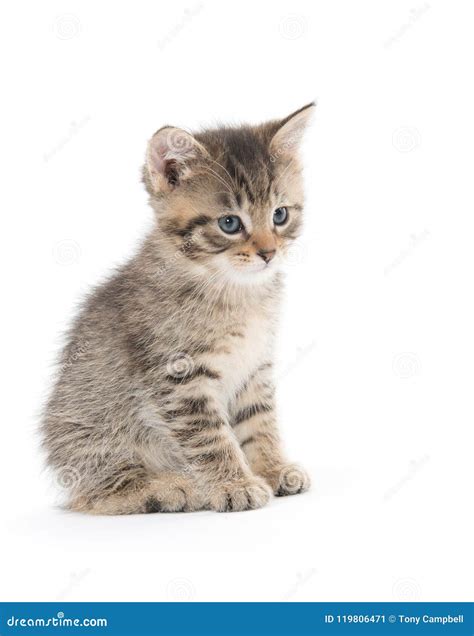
164, 399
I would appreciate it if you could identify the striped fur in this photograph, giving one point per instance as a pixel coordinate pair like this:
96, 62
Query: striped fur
164, 399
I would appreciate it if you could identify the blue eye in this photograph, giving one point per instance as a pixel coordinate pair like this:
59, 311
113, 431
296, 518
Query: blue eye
280, 216
230, 224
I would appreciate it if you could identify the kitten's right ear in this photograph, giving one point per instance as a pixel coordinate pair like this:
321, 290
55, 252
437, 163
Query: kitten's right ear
170, 152
289, 134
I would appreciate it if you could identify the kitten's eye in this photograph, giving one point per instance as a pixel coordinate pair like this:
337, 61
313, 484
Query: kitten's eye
280, 216
231, 224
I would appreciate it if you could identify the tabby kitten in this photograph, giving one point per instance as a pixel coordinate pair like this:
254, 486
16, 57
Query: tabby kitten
165, 398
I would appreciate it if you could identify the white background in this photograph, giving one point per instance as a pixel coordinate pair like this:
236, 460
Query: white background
376, 355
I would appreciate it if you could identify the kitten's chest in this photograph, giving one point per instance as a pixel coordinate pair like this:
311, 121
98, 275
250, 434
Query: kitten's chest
242, 350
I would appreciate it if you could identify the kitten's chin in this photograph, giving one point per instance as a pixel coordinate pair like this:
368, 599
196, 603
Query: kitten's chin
251, 275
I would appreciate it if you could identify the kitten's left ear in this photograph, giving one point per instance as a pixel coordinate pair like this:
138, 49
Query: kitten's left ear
290, 131
170, 153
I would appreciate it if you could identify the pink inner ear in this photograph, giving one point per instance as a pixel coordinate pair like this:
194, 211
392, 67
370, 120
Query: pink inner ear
288, 138
162, 161
170, 146
157, 157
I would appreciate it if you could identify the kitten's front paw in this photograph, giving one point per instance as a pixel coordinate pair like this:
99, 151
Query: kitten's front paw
245, 494
290, 479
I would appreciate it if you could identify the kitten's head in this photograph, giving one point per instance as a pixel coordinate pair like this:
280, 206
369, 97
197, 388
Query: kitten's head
229, 200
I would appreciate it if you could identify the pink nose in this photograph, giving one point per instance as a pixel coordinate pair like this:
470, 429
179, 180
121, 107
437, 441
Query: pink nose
267, 255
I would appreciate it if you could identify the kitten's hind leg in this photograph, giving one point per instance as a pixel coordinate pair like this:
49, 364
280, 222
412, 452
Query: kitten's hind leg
164, 492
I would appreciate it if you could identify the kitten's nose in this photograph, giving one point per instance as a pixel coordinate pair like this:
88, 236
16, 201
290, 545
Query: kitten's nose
267, 255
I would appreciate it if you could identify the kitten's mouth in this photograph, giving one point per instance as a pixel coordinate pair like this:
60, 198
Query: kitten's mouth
250, 272
256, 268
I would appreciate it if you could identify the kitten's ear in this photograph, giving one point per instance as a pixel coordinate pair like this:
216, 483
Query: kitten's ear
287, 138
169, 155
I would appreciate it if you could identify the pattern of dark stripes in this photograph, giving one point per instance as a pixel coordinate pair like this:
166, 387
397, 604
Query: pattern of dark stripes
254, 438
191, 406
194, 429
174, 228
196, 372
249, 411
217, 456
